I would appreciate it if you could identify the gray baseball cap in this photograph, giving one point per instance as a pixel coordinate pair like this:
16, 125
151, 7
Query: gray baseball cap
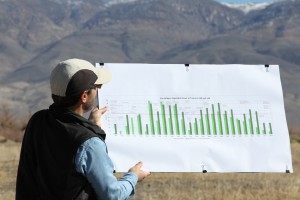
72, 77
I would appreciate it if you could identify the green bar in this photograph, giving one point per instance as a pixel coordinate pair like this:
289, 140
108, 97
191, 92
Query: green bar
201, 123
257, 123
183, 124
270, 126
245, 125
176, 120
170, 126
158, 124
147, 129
190, 131
232, 123
127, 131
171, 121
226, 123
132, 126
239, 126
213, 120
251, 123
127, 126
139, 119
151, 118
220, 120
196, 127
116, 130
207, 122
264, 131
164, 120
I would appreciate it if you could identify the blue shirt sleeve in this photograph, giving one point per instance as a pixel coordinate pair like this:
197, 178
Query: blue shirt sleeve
94, 163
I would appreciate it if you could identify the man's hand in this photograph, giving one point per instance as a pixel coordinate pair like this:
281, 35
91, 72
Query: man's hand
139, 172
96, 115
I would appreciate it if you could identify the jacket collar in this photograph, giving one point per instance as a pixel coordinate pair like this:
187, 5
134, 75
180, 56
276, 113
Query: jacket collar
68, 116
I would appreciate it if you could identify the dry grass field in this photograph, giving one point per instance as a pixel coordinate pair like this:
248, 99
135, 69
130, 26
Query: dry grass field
181, 186
218, 186
173, 186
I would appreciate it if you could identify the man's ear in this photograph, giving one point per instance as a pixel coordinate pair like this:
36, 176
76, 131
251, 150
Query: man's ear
83, 97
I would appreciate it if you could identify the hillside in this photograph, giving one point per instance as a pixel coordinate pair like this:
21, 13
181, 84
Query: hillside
36, 34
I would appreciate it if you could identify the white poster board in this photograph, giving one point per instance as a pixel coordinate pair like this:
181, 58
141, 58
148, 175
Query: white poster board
214, 118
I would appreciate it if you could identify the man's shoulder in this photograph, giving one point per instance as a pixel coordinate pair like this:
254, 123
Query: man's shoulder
94, 141
39, 113
94, 144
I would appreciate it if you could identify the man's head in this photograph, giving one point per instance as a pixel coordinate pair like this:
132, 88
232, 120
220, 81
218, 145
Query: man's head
71, 78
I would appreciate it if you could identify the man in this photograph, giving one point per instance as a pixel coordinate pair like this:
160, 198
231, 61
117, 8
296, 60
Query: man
64, 155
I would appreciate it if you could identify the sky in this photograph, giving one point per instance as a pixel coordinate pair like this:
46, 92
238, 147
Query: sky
244, 1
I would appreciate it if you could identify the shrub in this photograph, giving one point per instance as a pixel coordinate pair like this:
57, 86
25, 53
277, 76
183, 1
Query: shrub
11, 127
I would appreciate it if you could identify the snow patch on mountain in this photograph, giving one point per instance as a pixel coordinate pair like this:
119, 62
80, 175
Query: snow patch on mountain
68, 2
247, 7
106, 3
114, 2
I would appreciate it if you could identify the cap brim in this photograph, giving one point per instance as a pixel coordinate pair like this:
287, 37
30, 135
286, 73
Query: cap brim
104, 76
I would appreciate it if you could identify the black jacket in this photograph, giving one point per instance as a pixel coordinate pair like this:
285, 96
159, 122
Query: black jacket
46, 167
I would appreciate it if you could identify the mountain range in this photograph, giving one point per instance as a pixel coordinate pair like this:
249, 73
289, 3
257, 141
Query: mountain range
36, 34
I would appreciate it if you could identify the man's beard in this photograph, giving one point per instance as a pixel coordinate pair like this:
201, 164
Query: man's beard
88, 105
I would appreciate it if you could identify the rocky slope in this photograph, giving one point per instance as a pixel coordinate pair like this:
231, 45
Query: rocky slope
36, 34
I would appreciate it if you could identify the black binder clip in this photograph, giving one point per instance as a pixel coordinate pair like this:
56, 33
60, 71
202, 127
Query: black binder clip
101, 64
203, 169
287, 170
267, 68
187, 67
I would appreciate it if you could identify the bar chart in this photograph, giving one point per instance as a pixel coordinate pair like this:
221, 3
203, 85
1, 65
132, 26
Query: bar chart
187, 118
184, 116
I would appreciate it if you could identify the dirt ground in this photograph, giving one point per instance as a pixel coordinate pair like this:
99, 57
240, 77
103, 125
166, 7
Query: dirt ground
183, 186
